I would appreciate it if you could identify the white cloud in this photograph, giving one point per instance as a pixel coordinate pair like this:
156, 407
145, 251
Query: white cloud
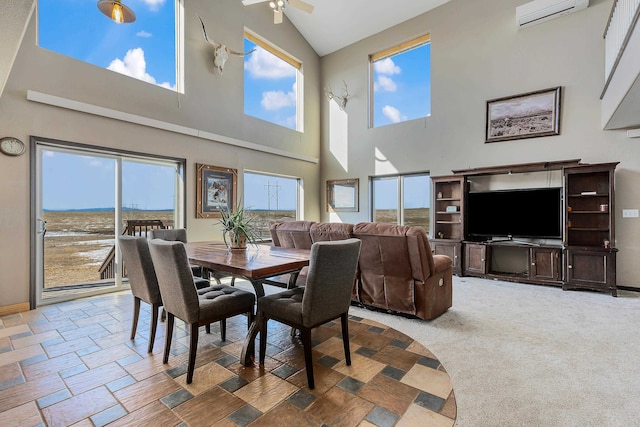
385, 83
386, 66
393, 114
265, 65
143, 33
134, 65
153, 4
277, 99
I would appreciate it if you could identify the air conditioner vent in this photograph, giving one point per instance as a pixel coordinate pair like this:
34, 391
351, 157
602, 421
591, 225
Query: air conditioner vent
538, 11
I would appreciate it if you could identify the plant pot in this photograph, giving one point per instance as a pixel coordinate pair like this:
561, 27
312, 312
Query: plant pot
237, 241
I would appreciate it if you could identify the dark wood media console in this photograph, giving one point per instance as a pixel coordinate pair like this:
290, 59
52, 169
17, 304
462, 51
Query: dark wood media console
585, 257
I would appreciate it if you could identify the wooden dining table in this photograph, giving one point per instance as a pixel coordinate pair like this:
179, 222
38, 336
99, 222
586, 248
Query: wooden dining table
255, 263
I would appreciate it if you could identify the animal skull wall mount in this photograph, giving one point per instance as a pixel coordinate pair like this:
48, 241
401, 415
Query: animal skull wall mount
221, 52
340, 100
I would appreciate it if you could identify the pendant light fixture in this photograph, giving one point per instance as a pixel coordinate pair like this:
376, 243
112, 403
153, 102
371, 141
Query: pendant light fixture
117, 11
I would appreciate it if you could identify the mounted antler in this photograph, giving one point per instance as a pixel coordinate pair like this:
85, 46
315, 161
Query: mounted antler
221, 52
340, 100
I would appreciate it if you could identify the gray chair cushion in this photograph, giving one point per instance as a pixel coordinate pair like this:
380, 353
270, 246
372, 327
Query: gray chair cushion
223, 300
287, 305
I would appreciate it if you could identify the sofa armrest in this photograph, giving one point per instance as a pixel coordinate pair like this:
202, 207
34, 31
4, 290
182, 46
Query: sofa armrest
441, 263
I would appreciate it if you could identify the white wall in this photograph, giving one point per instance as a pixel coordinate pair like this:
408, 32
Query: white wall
211, 103
476, 55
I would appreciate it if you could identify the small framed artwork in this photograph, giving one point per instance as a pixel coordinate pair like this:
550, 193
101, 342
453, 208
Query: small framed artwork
528, 115
216, 190
342, 195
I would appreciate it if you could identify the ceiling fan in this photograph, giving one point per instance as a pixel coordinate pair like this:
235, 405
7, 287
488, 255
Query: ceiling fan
279, 5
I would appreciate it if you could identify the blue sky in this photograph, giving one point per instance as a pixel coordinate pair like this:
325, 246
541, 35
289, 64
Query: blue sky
72, 181
144, 49
402, 86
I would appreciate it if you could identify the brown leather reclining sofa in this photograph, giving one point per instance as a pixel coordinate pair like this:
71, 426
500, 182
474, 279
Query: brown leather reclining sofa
396, 271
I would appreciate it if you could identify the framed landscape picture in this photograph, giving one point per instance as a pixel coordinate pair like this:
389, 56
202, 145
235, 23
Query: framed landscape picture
527, 115
216, 190
342, 195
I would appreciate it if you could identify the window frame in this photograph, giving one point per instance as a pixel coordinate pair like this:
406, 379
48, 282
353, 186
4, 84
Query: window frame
400, 191
179, 61
299, 190
289, 59
388, 53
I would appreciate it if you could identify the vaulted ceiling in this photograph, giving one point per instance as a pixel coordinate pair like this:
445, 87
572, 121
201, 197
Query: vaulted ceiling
335, 24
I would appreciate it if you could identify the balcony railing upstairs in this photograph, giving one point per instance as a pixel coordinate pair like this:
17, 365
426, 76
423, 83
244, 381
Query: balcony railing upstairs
622, 21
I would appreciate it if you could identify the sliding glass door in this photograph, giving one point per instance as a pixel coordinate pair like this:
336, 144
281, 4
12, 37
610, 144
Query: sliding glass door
86, 197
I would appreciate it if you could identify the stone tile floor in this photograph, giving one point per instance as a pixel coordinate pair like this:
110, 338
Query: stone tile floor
72, 363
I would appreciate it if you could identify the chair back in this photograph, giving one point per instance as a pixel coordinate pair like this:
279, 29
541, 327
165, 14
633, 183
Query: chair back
175, 280
140, 269
170, 234
332, 270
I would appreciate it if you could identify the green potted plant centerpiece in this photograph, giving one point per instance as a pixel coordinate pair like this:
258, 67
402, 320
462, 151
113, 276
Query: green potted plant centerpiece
238, 227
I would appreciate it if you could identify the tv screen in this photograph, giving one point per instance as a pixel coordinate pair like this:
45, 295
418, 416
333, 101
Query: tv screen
531, 213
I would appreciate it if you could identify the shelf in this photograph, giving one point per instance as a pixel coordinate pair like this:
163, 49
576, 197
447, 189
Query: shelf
447, 222
587, 229
590, 195
589, 212
447, 213
448, 199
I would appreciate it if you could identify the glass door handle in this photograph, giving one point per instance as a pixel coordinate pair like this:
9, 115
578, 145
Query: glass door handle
42, 226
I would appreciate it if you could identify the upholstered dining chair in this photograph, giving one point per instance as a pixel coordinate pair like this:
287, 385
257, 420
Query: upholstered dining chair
180, 235
326, 296
143, 281
194, 307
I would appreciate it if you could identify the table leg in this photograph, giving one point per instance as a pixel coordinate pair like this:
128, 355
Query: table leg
247, 356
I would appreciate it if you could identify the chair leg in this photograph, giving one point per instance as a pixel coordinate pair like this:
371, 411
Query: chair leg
233, 280
168, 336
223, 329
163, 316
136, 314
345, 337
154, 325
263, 337
207, 328
308, 361
193, 347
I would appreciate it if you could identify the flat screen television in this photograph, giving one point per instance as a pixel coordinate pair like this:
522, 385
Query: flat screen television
526, 213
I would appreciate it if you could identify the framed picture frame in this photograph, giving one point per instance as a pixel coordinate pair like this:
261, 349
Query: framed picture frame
528, 115
216, 190
342, 195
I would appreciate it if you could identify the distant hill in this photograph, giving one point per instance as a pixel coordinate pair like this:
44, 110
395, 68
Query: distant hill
107, 210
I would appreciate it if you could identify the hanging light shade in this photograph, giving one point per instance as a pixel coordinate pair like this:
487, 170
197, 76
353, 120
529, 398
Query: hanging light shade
117, 11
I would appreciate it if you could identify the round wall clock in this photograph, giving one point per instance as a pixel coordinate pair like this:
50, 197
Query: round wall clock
12, 146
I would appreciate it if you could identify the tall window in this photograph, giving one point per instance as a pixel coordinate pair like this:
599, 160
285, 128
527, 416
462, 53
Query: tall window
272, 84
269, 197
400, 83
144, 49
402, 199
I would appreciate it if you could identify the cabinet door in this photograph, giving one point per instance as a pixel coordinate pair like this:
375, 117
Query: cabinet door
475, 258
545, 264
450, 249
595, 270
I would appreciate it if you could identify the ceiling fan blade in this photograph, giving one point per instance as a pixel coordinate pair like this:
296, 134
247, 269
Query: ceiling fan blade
277, 16
250, 2
306, 7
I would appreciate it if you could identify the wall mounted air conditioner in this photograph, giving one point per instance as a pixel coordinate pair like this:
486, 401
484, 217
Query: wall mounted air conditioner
538, 11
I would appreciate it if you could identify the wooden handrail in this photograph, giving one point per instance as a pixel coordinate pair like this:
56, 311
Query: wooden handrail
134, 227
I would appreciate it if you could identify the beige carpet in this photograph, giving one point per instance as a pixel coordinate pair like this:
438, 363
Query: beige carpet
527, 355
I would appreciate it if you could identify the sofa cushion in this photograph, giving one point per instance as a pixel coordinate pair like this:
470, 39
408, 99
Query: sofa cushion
292, 234
323, 231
